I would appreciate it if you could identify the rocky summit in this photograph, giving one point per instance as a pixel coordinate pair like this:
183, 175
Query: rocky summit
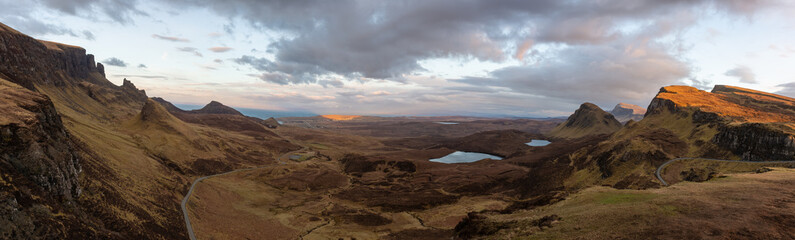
588, 120
623, 112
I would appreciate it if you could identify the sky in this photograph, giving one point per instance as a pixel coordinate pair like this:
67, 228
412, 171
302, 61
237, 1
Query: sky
443, 57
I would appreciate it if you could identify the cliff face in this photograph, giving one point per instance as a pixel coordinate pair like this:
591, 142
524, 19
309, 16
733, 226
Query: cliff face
623, 112
757, 141
39, 167
27, 61
588, 120
751, 124
682, 121
35, 142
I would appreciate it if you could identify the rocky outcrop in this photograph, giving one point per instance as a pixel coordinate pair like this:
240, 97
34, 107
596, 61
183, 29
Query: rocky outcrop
588, 120
27, 61
623, 112
130, 90
35, 144
758, 142
271, 123
168, 105
751, 124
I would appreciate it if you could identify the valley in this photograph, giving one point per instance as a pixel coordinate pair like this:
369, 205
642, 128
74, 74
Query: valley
83, 158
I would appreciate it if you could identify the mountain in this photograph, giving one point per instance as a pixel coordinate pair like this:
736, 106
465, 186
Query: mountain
217, 108
271, 123
588, 120
681, 121
727, 123
623, 112
83, 158
218, 115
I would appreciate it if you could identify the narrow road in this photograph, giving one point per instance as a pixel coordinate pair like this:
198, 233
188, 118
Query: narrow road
192, 186
659, 169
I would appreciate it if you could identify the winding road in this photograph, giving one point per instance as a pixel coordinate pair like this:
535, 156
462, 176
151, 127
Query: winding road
659, 169
192, 186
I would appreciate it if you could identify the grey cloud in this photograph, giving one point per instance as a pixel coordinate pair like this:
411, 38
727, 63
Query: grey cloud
120, 11
115, 62
190, 50
605, 74
388, 39
17, 14
334, 83
744, 73
142, 66
282, 73
172, 39
789, 89
89, 35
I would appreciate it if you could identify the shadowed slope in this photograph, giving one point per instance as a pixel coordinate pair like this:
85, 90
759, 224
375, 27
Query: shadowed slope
588, 120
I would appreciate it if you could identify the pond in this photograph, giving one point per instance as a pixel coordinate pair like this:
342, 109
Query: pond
464, 157
538, 143
447, 123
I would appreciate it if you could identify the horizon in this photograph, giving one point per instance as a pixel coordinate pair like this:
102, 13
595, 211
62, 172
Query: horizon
522, 59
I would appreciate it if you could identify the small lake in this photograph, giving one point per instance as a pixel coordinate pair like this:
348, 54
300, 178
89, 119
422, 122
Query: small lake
464, 157
538, 143
447, 123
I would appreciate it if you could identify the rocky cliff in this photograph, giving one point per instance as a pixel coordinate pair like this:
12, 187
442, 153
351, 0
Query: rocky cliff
588, 120
623, 112
39, 165
35, 143
682, 121
27, 61
753, 125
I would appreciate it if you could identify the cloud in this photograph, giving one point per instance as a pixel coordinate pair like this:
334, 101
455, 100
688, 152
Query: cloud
141, 76
282, 73
788, 89
380, 93
190, 50
220, 49
120, 11
744, 73
142, 66
115, 62
334, 83
388, 40
218, 60
172, 39
89, 35
606, 74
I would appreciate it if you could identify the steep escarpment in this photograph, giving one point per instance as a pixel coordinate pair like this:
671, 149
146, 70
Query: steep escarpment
588, 120
757, 141
623, 112
34, 140
39, 168
27, 61
83, 158
751, 124
727, 123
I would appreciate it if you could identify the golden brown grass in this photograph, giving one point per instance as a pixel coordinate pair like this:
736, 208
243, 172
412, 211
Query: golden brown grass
731, 102
741, 206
